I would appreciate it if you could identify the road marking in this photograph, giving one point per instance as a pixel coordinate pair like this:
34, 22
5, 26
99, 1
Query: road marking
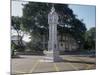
56, 68
35, 65
72, 66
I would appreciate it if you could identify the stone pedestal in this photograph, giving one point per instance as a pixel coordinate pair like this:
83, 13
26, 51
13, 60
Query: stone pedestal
52, 56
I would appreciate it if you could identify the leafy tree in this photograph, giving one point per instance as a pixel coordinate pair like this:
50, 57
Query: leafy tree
35, 21
90, 39
78, 30
16, 24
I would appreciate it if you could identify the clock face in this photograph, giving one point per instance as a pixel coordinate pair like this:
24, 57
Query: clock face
53, 18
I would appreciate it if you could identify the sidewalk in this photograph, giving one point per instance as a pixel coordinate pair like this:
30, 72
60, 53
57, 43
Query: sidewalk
32, 64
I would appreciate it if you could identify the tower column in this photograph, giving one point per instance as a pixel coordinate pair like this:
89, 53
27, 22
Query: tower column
52, 54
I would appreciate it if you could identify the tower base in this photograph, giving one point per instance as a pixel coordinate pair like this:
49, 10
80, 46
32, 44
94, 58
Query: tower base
52, 56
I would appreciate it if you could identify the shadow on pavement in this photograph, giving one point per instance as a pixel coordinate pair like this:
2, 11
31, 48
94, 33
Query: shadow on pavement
18, 57
91, 54
77, 61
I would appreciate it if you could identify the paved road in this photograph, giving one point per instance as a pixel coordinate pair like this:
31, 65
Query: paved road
32, 64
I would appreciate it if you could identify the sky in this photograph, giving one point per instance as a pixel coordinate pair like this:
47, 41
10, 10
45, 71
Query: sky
85, 12
17, 8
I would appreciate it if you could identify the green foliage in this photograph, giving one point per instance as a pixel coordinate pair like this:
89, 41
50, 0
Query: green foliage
78, 30
16, 23
17, 47
90, 39
35, 22
13, 48
34, 46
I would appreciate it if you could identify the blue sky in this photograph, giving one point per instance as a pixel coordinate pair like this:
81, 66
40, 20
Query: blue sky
85, 12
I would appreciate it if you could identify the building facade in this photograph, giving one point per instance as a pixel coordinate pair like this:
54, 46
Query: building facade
65, 43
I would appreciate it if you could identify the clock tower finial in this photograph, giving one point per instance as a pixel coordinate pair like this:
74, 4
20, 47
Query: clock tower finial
52, 9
